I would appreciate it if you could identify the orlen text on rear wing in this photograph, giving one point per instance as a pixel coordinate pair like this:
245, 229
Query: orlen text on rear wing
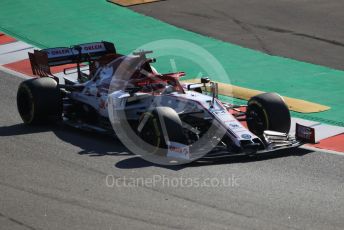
42, 60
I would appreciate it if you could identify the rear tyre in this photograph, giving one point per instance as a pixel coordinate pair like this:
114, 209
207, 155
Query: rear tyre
39, 101
268, 111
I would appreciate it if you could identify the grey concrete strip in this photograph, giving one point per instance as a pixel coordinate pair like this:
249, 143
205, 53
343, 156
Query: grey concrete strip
303, 30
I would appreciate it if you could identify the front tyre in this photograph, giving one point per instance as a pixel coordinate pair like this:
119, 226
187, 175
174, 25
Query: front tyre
267, 111
161, 123
39, 100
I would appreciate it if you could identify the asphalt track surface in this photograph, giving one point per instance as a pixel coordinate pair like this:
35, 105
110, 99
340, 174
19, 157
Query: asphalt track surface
54, 177
305, 30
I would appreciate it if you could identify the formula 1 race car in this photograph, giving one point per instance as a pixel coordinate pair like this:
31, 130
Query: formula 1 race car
150, 112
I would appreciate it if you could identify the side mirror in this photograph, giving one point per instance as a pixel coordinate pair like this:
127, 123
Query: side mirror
205, 80
151, 60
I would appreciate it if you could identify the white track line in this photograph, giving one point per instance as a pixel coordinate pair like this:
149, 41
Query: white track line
322, 131
14, 56
13, 47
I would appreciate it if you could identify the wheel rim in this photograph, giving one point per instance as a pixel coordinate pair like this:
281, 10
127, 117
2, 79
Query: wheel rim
150, 133
256, 119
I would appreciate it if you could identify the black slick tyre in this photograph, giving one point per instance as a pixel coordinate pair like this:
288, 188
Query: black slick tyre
39, 101
267, 111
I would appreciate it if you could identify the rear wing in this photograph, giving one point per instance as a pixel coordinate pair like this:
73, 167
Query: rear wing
42, 60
